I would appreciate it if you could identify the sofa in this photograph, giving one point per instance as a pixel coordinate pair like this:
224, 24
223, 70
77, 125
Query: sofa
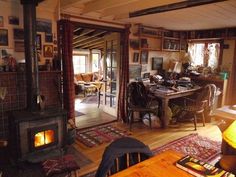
84, 79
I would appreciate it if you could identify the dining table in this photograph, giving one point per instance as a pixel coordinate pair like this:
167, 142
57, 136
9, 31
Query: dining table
165, 94
161, 165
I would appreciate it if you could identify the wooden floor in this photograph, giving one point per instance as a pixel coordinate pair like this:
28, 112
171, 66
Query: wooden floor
153, 137
92, 115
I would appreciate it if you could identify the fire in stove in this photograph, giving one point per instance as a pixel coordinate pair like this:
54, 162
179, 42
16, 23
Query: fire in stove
43, 138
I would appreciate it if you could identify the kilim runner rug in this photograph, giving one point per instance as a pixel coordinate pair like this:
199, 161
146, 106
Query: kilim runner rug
195, 145
101, 134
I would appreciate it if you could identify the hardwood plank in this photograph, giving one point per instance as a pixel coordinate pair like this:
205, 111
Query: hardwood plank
154, 137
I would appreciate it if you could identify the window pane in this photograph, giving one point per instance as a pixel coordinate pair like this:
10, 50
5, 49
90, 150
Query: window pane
79, 64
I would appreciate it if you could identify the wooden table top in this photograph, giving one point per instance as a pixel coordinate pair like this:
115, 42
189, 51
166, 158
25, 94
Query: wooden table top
162, 165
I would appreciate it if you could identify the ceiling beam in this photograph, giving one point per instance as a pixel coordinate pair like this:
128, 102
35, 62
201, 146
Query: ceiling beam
172, 6
96, 5
89, 37
93, 44
88, 42
125, 9
85, 32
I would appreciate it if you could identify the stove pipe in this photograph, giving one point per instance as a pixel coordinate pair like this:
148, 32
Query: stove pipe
32, 78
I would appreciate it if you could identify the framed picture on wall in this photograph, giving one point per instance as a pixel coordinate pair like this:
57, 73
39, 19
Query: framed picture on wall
135, 57
44, 25
48, 51
1, 21
144, 57
157, 63
18, 34
13, 20
48, 38
3, 37
19, 46
38, 42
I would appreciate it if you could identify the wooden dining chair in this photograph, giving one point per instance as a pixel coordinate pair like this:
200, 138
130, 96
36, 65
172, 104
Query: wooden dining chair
138, 100
121, 154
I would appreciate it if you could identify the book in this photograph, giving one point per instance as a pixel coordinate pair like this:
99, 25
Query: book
201, 169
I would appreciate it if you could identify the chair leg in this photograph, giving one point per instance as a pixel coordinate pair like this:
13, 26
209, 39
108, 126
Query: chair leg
131, 120
203, 119
150, 120
195, 122
99, 97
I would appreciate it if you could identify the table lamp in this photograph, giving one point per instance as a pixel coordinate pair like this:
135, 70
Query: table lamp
229, 135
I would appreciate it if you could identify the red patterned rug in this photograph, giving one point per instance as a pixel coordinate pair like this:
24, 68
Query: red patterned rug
101, 134
195, 145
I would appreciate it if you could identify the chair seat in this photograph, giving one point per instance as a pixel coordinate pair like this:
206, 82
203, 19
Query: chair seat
228, 163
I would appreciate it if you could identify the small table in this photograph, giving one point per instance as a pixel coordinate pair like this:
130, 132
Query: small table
162, 165
166, 95
89, 89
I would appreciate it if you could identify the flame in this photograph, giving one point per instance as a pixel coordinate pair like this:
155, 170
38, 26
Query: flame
43, 138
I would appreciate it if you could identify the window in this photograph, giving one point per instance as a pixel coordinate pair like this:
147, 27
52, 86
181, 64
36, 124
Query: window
79, 63
204, 54
95, 62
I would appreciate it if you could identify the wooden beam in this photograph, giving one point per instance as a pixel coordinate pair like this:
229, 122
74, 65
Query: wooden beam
172, 6
125, 9
86, 31
90, 41
96, 5
92, 44
89, 37
77, 29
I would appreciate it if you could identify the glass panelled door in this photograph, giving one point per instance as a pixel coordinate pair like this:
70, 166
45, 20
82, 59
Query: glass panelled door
111, 64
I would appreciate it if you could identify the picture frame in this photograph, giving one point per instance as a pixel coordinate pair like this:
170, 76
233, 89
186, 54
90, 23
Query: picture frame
1, 21
48, 51
38, 42
135, 71
3, 37
44, 25
18, 34
49, 38
157, 63
144, 57
135, 57
19, 46
13, 20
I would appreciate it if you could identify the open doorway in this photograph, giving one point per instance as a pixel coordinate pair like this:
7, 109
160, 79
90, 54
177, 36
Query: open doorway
96, 56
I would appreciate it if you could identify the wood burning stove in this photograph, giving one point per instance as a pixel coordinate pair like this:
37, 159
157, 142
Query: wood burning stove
35, 133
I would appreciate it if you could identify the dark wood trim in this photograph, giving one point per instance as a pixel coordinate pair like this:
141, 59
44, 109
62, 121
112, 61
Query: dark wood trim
89, 25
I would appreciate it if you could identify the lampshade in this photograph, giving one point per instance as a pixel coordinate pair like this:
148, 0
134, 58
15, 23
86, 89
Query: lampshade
229, 135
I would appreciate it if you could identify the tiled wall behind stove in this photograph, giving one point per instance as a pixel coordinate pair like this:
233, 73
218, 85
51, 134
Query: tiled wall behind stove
15, 98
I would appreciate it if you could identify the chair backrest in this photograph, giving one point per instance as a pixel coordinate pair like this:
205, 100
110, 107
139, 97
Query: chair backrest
121, 154
136, 95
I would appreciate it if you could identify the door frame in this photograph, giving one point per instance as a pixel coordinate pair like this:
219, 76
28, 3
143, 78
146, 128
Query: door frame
121, 31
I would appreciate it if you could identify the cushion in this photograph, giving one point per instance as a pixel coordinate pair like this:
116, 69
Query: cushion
87, 77
78, 77
60, 165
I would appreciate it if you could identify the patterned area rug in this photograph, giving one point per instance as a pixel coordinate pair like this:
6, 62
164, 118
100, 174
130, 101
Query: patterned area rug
195, 145
91, 99
101, 134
